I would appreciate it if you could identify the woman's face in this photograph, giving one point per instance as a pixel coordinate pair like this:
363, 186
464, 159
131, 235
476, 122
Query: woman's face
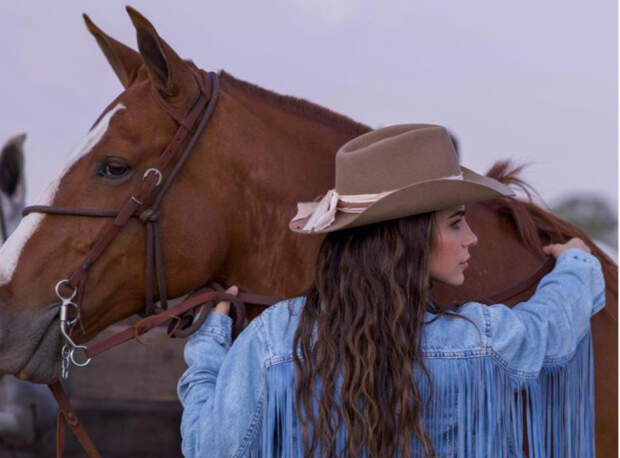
450, 248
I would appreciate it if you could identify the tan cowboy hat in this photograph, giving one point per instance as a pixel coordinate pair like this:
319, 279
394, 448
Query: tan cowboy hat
394, 172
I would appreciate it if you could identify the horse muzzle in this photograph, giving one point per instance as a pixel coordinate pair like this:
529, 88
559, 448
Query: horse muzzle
30, 344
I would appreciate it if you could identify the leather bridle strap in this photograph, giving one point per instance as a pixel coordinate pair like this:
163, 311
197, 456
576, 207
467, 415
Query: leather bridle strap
210, 296
204, 302
520, 287
66, 413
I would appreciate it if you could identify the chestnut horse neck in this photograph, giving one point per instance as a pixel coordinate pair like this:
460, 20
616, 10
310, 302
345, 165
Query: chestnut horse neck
284, 153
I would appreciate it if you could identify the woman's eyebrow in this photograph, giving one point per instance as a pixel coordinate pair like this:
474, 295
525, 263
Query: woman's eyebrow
458, 213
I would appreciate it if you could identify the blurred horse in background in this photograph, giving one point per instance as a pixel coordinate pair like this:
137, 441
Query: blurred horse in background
12, 185
26, 410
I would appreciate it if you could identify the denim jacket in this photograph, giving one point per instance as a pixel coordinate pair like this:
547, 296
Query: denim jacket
497, 377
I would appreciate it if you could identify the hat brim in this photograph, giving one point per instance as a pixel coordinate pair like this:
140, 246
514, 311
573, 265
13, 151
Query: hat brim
422, 197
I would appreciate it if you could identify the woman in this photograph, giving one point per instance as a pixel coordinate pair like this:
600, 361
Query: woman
379, 370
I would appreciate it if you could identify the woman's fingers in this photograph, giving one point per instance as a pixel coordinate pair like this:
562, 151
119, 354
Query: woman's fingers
224, 306
556, 249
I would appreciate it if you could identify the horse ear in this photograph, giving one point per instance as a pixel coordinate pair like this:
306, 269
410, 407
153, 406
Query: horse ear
167, 70
124, 61
455, 143
12, 164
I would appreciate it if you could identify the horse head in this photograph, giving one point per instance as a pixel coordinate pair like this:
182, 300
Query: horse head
12, 185
213, 224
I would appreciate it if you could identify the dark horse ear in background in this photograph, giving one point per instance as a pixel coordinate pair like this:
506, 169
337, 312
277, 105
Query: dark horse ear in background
168, 72
124, 60
455, 143
12, 164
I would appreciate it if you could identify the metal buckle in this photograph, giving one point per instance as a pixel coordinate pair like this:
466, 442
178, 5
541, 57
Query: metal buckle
154, 170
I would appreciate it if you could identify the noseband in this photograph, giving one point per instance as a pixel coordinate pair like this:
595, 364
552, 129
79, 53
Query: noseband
144, 204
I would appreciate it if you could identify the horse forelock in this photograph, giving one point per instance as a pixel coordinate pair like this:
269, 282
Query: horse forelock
298, 106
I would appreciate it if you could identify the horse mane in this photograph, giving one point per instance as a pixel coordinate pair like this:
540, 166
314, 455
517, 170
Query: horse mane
536, 226
297, 106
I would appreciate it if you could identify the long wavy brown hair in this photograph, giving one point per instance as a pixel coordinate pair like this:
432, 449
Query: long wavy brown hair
359, 337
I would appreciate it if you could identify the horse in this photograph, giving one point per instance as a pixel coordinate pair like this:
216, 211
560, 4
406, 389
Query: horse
12, 184
26, 410
226, 215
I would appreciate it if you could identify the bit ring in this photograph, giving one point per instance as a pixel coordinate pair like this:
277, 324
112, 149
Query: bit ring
65, 282
77, 362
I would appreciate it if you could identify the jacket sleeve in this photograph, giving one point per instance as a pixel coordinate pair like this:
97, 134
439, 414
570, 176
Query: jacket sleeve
546, 329
222, 389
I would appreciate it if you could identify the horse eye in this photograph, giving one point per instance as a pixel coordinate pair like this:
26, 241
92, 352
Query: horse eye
113, 169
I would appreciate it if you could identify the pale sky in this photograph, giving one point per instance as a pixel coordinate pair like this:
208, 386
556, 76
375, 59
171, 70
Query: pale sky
535, 81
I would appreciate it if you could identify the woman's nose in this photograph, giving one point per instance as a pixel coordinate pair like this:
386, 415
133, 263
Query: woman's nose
471, 239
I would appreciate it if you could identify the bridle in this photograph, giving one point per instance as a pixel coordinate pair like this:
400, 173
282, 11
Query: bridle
153, 189
144, 204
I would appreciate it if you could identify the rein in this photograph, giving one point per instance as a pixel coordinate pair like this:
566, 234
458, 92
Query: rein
520, 287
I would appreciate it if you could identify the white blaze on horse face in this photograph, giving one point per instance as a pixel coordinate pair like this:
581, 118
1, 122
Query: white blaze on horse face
12, 248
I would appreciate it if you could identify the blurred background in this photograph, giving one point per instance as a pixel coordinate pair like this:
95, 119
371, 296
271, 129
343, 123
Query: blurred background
532, 81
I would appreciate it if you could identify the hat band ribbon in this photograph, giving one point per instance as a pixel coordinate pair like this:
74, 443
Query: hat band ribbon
322, 214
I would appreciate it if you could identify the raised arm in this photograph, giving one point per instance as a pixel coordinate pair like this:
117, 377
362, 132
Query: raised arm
547, 329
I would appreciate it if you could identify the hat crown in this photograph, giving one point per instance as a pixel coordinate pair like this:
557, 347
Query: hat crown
395, 157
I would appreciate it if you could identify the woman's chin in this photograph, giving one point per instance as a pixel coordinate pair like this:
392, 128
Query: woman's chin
453, 280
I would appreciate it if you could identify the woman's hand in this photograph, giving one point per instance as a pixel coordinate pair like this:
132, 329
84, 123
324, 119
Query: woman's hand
223, 307
556, 249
